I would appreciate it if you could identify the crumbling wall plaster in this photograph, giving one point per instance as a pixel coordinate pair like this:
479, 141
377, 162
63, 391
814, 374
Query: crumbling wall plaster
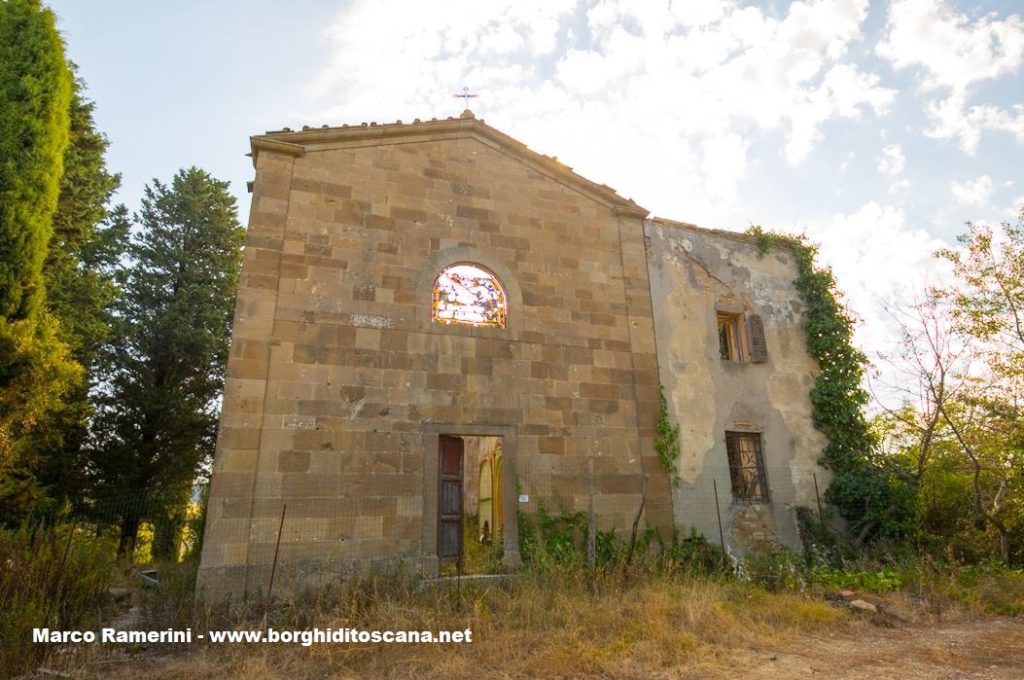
694, 275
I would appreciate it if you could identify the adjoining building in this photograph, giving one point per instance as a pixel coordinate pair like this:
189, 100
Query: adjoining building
438, 328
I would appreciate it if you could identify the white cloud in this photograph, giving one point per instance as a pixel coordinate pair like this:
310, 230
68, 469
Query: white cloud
391, 57
972, 192
725, 159
899, 185
846, 161
952, 52
952, 118
687, 85
501, 39
697, 13
892, 162
842, 93
877, 258
582, 72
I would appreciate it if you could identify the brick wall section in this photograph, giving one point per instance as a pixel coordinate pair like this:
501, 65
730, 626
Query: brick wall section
335, 365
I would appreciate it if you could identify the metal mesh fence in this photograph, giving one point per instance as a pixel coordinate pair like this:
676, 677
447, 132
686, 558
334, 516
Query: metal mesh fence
307, 540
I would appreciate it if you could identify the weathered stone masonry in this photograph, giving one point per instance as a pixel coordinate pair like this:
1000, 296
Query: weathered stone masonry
339, 384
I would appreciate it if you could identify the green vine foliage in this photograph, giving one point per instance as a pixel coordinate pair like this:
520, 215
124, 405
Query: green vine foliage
860, 488
667, 442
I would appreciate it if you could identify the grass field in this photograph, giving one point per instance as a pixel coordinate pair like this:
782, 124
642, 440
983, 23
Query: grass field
556, 625
693, 618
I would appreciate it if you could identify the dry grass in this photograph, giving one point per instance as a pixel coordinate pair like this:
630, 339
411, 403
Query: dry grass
535, 627
654, 622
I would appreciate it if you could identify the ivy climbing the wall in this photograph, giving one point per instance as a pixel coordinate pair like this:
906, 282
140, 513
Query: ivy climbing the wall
860, 488
667, 442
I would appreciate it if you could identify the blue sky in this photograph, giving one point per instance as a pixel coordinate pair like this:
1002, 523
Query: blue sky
876, 128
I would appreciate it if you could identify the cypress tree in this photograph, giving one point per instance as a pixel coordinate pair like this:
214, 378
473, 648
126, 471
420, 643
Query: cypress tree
35, 93
163, 373
85, 250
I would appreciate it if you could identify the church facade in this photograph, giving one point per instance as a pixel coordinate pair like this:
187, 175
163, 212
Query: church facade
438, 329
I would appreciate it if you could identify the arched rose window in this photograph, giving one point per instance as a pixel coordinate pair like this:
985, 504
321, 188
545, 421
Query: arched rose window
467, 294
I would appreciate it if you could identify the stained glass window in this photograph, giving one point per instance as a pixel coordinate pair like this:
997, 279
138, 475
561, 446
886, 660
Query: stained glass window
467, 294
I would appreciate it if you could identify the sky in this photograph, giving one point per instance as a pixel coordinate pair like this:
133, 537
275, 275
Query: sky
878, 129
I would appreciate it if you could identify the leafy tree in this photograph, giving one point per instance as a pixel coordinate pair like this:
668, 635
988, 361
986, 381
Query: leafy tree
959, 370
925, 374
989, 305
988, 426
35, 366
87, 244
933, 375
989, 437
163, 372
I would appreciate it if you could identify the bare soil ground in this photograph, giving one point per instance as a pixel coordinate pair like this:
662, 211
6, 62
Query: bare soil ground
976, 650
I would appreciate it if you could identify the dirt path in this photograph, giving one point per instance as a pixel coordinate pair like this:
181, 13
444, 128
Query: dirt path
982, 649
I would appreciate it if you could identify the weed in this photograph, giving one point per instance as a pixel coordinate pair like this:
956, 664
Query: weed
55, 578
881, 581
550, 624
171, 603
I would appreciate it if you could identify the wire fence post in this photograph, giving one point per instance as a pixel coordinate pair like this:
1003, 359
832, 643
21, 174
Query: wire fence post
277, 548
817, 496
718, 512
591, 523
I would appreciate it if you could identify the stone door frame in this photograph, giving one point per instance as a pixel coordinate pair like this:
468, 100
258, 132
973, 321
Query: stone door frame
431, 461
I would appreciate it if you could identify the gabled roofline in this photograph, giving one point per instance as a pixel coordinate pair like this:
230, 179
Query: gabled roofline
297, 143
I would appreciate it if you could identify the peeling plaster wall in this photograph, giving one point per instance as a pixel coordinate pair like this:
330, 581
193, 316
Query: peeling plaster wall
693, 274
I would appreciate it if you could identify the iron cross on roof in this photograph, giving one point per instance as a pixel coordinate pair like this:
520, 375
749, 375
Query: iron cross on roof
465, 96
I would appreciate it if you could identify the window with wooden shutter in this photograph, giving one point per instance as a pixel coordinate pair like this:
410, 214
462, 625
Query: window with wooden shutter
758, 348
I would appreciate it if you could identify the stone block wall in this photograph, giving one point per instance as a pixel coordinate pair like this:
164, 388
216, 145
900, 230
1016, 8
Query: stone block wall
339, 382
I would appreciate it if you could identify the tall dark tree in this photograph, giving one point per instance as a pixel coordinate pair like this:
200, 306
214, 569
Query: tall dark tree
85, 246
85, 249
163, 373
35, 367
35, 93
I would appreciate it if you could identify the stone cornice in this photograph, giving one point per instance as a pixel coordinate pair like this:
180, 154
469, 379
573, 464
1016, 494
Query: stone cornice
265, 143
630, 211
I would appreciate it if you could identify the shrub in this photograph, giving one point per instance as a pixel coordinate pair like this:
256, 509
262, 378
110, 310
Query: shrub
56, 578
558, 542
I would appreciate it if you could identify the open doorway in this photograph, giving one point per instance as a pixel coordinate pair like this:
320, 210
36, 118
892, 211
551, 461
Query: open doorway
471, 520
